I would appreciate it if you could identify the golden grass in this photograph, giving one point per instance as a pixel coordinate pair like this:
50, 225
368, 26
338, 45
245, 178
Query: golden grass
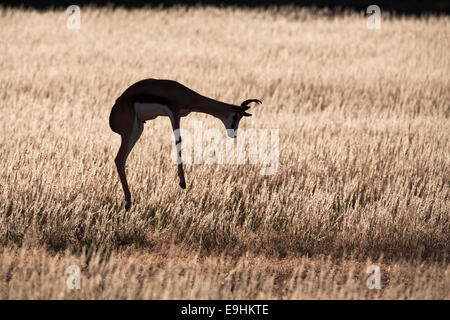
182, 274
364, 157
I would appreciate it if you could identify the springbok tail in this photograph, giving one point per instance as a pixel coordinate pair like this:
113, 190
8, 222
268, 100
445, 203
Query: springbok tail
113, 110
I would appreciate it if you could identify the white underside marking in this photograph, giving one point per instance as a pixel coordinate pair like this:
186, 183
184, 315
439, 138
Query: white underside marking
149, 111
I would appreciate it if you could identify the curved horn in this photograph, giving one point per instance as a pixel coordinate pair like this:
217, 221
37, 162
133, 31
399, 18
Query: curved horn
246, 102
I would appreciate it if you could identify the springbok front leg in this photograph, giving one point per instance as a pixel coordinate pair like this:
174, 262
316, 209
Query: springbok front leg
129, 139
176, 131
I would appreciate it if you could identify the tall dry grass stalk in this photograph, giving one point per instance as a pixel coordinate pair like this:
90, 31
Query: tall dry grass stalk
364, 157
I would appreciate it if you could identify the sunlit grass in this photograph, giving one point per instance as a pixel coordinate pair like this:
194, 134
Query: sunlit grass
363, 119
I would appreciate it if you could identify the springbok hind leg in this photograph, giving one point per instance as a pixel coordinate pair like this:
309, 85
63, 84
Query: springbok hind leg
128, 142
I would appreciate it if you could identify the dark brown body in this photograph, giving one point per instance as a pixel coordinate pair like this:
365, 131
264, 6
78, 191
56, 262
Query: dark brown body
147, 99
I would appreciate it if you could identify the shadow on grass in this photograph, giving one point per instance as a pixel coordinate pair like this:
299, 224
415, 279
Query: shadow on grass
408, 7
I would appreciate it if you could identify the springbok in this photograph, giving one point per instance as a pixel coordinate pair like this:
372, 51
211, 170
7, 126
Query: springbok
150, 98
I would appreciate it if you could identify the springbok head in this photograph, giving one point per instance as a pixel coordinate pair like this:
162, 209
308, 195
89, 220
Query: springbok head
234, 116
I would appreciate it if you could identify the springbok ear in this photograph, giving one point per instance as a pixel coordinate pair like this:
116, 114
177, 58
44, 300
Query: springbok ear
245, 114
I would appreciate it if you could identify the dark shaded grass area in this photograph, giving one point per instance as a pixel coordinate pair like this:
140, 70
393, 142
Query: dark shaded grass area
409, 7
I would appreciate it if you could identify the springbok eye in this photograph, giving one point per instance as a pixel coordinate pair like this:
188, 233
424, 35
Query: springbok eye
233, 120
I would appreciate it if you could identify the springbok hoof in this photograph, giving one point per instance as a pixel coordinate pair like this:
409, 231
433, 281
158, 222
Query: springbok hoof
127, 206
183, 185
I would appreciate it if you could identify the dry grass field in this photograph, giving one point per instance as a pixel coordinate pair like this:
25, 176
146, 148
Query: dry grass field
364, 157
